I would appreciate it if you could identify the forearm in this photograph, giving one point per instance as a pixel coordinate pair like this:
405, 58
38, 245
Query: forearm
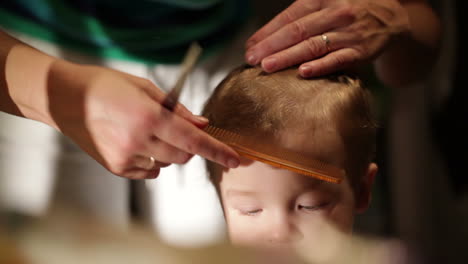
409, 57
25, 73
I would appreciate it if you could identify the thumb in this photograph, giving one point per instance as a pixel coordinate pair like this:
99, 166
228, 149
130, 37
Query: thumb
158, 95
197, 120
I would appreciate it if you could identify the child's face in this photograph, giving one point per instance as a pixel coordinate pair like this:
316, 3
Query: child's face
267, 206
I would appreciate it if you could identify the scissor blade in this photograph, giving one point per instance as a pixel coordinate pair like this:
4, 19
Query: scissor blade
187, 65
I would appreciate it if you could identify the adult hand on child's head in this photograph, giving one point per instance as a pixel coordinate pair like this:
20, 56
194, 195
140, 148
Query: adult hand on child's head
119, 120
327, 35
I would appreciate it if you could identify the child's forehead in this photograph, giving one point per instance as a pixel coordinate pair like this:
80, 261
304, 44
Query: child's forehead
322, 143
262, 179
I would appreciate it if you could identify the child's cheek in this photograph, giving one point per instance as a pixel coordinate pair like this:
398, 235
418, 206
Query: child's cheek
241, 230
341, 215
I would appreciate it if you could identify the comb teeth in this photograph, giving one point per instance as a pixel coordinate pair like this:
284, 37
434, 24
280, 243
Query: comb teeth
276, 156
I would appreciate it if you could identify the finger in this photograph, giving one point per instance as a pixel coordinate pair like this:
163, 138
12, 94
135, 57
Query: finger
166, 153
153, 91
199, 121
144, 162
307, 50
140, 174
338, 60
298, 31
148, 86
158, 95
179, 133
295, 11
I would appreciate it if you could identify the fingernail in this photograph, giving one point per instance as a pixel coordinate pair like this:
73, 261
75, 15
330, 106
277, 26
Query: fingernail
233, 163
269, 64
201, 119
252, 60
305, 70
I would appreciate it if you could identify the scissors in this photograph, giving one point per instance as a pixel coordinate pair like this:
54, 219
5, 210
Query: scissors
172, 97
188, 63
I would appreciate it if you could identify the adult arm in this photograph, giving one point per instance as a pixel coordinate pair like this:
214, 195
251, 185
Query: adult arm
409, 57
116, 117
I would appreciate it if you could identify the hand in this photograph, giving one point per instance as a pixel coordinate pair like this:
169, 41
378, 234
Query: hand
327, 35
118, 119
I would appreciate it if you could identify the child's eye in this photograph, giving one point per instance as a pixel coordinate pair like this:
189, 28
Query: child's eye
251, 212
312, 207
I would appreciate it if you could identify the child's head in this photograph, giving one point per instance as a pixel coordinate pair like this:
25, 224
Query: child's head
327, 119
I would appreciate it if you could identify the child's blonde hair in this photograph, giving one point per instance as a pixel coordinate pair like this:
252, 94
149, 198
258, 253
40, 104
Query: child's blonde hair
249, 101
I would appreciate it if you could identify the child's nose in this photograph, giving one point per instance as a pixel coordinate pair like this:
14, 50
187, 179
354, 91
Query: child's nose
283, 230
280, 236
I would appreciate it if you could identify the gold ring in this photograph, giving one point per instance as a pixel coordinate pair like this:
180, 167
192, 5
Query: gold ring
326, 40
152, 162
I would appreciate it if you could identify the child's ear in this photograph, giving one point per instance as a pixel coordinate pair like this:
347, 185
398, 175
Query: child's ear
364, 196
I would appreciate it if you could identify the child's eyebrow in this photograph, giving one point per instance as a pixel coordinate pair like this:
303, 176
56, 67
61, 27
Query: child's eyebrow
234, 192
313, 183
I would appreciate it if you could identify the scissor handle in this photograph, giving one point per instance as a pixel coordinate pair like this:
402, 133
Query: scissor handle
188, 63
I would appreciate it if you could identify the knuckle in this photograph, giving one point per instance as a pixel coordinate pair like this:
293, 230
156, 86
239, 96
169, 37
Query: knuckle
363, 27
183, 158
146, 83
313, 48
157, 124
180, 109
338, 62
193, 144
357, 35
298, 30
308, 5
349, 11
218, 155
154, 139
159, 119
287, 16
360, 53
144, 120
118, 166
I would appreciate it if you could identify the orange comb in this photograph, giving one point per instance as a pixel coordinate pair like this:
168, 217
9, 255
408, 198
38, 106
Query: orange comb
278, 157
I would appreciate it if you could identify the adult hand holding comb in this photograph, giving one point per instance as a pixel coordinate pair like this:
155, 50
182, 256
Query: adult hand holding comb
179, 140
126, 123
204, 145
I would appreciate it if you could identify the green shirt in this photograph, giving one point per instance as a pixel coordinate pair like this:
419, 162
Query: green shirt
149, 31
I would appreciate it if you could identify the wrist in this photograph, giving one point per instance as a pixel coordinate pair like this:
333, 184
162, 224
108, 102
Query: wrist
27, 75
66, 87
